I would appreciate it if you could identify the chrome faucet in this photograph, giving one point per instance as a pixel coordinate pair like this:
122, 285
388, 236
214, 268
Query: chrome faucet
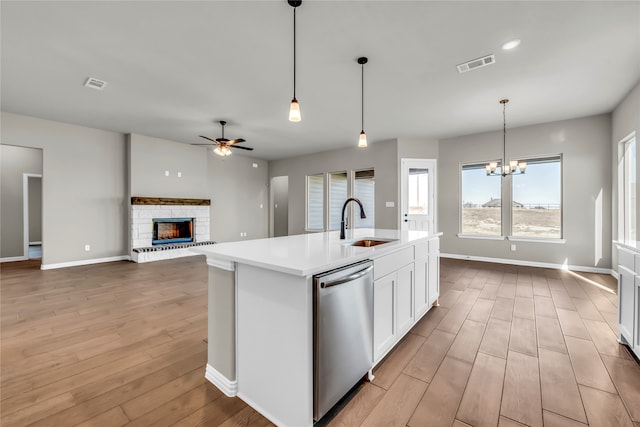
344, 207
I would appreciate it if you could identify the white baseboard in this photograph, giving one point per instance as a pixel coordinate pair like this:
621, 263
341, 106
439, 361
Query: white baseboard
532, 264
228, 387
85, 262
13, 258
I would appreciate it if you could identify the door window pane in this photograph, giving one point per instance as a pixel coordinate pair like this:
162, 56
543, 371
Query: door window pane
337, 197
481, 204
537, 205
418, 191
364, 190
315, 202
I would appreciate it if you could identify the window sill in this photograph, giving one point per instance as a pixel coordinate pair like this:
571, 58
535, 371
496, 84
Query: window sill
534, 240
479, 237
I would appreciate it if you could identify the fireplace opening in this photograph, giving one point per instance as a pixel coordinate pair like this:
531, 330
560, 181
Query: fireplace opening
172, 230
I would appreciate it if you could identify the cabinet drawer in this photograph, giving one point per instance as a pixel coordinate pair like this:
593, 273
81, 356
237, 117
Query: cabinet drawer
626, 258
392, 262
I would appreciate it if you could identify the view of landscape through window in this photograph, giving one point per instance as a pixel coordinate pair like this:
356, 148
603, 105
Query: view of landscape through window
536, 201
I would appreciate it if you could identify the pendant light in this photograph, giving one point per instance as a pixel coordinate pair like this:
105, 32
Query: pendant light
362, 141
294, 109
514, 167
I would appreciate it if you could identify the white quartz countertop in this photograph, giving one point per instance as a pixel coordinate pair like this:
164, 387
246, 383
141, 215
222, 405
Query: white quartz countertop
308, 254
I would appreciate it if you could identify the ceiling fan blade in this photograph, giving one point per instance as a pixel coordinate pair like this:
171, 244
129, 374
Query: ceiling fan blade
241, 147
208, 144
222, 140
235, 141
206, 137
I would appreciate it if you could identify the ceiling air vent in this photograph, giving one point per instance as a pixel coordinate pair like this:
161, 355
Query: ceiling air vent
476, 63
94, 83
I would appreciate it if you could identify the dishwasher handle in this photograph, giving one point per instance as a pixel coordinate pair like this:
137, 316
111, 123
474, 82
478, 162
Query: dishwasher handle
346, 279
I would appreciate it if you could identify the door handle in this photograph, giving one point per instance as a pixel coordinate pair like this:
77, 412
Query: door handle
349, 278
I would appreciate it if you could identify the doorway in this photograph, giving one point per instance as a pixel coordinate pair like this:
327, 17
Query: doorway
418, 210
279, 206
32, 215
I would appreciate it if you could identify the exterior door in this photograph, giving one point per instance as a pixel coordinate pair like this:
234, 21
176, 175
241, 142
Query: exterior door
418, 194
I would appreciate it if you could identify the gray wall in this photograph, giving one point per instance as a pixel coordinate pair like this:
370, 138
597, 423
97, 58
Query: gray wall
418, 148
625, 119
35, 208
149, 159
280, 203
14, 161
585, 146
84, 186
382, 156
239, 196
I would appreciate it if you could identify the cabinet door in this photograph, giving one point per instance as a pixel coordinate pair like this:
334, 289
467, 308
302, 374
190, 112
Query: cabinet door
626, 302
636, 323
384, 331
421, 290
404, 298
433, 279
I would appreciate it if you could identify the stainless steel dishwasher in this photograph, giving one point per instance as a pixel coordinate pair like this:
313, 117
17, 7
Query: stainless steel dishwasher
343, 332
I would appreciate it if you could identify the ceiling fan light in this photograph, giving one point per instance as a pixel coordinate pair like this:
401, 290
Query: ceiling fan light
294, 111
362, 141
218, 151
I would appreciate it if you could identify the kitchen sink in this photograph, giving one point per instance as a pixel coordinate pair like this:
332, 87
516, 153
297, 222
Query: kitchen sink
369, 242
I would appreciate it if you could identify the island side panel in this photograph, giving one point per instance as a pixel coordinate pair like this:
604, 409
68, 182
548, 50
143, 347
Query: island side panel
221, 345
275, 344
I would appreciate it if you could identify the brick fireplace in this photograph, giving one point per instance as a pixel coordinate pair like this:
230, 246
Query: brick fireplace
163, 228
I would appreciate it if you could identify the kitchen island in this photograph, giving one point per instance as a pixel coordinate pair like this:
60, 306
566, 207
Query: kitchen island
260, 338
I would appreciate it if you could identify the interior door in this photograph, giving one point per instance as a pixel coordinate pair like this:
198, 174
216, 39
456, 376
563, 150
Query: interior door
418, 194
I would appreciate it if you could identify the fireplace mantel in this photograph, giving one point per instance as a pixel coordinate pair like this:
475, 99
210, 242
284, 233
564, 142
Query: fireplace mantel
169, 201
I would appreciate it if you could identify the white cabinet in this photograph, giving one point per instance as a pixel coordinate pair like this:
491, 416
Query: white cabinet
406, 284
404, 299
384, 326
433, 272
626, 299
636, 317
629, 298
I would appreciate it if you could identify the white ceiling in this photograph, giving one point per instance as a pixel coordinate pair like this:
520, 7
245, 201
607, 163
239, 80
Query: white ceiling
174, 68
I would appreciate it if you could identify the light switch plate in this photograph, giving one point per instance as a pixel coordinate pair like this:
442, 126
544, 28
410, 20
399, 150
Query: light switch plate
390, 204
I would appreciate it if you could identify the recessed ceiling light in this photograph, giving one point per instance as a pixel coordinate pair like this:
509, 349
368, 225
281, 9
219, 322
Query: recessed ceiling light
510, 44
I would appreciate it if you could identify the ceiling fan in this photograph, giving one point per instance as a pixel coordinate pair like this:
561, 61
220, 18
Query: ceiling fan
223, 144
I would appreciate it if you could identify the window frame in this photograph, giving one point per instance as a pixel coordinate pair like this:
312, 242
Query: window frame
351, 174
533, 160
623, 190
480, 165
306, 209
506, 210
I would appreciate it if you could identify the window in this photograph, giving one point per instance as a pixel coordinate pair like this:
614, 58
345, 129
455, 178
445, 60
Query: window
315, 202
418, 189
327, 192
337, 195
481, 205
627, 184
365, 190
536, 207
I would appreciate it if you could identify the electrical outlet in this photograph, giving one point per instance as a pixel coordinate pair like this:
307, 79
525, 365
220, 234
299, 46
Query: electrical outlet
513, 247
87, 248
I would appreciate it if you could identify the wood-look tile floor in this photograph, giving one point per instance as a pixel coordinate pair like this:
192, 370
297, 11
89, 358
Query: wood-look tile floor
123, 344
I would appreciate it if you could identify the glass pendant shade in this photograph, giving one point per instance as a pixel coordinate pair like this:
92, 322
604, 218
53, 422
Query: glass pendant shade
222, 151
294, 111
362, 141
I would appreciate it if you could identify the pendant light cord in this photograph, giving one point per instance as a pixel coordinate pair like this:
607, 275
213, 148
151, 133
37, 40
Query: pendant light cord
362, 99
504, 132
294, 53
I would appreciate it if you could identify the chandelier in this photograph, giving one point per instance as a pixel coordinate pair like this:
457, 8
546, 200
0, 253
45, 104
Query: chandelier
514, 167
